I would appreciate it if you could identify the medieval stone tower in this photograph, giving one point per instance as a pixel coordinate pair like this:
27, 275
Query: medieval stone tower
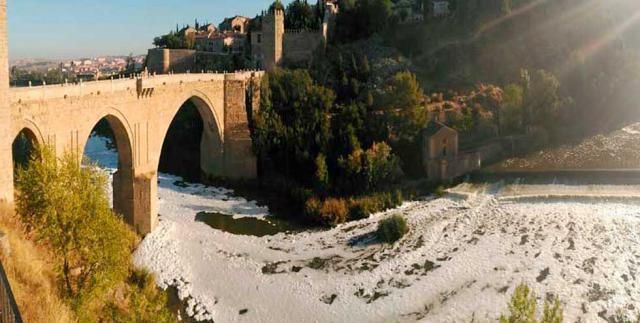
6, 159
273, 37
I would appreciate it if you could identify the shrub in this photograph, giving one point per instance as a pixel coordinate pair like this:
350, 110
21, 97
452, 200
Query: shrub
363, 207
312, 208
142, 301
334, 211
522, 308
440, 191
392, 229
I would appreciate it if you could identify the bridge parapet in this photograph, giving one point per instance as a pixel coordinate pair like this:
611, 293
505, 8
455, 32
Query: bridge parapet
36, 93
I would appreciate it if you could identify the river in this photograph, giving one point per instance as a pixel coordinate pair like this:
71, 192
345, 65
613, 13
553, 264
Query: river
460, 262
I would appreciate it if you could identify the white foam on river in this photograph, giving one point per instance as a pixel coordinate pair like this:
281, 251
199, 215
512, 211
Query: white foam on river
463, 257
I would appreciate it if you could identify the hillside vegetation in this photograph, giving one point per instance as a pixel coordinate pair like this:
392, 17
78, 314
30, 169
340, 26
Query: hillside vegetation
31, 273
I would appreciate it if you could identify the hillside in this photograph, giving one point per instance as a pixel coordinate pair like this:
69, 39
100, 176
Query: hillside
590, 46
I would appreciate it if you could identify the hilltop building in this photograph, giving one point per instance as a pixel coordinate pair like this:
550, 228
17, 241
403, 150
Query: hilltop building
260, 44
272, 44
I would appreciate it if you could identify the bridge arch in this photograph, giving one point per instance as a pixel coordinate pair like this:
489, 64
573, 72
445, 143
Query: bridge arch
25, 140
123, 177
211, 142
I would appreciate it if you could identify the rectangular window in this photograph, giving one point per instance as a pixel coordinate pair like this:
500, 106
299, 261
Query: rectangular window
259, 38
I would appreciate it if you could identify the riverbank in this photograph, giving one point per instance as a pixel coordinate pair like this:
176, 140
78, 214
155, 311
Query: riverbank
462, 259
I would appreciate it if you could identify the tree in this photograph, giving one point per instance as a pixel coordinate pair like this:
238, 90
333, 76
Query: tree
300, 15
276, 5
512, 109
362, 18
293, 124
66, 206
400, 106
171, 40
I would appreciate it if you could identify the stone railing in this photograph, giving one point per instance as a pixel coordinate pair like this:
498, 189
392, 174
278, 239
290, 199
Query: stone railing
45, 92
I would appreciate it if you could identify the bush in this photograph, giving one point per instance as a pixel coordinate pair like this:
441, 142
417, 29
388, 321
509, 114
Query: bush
334, 211
142, 301
522, 308
440, 191
361, 208
392, 229
312, 209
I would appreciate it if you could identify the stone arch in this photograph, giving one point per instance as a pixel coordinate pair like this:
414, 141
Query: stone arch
34, 139
123, 178
32, 128
212, 139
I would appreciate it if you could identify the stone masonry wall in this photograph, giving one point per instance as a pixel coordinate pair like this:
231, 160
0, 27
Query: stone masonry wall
163, 61
6, 161
299, 46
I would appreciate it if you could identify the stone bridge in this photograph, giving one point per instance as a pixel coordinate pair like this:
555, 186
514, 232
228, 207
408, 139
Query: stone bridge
139, 112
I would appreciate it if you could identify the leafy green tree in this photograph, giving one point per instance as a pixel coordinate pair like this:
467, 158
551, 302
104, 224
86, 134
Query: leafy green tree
512, 109
66, 206
368, 170
276, 5
301, 15
171, 40
401, 108
293, 124
322, 174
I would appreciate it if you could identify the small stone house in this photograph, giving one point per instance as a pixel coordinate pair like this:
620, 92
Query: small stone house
441, 157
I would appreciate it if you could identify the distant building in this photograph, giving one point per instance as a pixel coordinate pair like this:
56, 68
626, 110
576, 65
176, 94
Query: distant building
266, 45
221, 43
238, 24
272, 44
441, 158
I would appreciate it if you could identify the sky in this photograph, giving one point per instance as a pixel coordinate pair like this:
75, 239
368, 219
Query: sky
62, 29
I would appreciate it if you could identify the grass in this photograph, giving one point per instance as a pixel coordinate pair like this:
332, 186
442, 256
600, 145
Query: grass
31, 275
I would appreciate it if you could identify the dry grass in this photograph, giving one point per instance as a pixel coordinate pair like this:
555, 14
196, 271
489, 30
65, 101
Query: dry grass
31, 274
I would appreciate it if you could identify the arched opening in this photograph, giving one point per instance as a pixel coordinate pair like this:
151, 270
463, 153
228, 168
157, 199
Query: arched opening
109, 147
192, 147
23, 148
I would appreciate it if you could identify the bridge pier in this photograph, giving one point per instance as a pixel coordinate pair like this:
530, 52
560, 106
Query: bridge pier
145, 202
123, 200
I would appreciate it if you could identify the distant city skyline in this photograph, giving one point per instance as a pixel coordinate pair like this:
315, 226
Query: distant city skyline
67, 29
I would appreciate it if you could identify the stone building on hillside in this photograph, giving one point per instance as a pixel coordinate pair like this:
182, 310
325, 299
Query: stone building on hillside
261, 44
441, 157
238, 24
272, 44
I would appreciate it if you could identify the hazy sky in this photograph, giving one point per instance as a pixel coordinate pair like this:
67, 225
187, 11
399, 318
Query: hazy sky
87, 28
